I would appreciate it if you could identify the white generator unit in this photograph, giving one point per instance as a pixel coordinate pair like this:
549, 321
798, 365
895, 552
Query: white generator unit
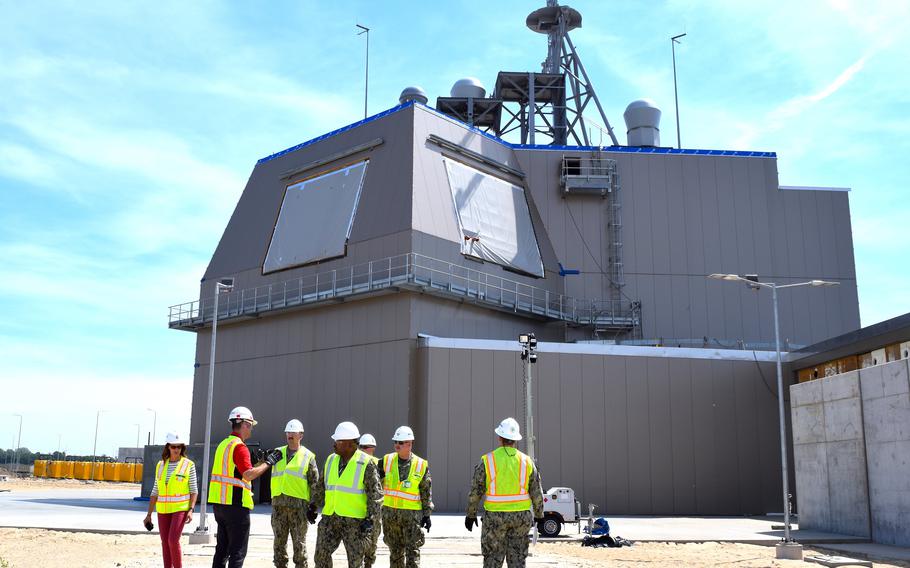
559, 507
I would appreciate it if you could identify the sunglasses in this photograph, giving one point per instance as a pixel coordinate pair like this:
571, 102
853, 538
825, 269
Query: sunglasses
402, 443
178, 448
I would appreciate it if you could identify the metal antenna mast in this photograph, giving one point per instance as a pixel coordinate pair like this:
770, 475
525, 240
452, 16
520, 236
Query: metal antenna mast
557, 21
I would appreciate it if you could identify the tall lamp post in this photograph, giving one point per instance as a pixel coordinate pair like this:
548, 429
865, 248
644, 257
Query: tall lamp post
18, 443
95, 444
788, 548
673, 41
202, 534
366, 81
154, 423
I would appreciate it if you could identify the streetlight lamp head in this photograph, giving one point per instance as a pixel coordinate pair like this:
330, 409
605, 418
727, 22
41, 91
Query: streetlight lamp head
819, 283
523, 339
729, 277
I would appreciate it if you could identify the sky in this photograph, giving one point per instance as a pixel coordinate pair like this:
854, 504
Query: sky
128, 131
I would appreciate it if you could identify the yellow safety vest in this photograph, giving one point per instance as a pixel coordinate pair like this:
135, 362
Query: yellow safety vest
290, 478
223, 482
402, 493
508, 476
344, 494
173, 493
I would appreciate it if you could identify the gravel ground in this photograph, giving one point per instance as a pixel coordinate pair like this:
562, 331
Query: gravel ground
26, 548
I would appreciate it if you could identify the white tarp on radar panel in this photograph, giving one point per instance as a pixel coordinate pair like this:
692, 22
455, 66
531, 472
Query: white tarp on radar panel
315, 219
494, 219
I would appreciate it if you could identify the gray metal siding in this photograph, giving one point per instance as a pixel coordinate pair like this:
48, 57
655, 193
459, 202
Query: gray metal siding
634, 435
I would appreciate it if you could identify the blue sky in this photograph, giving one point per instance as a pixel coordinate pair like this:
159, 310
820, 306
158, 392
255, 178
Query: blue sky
128, 130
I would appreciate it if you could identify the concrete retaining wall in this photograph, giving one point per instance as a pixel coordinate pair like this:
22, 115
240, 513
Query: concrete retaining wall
851, 440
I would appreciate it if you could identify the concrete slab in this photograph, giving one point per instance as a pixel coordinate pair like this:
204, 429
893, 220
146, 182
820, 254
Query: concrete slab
870, 550
837, 561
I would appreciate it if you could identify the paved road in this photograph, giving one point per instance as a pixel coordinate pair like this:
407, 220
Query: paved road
116, 511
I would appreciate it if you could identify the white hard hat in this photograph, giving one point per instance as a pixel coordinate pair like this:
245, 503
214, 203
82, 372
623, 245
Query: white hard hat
242, 413
346, 431
294, 426
367, 440
509, 429
174, 439
403, 434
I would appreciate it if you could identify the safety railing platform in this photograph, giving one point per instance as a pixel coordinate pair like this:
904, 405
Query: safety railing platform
413, 272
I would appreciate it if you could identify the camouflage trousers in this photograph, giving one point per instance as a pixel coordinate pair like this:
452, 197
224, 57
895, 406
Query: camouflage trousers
504, 536
289, 521
402, 534
333, 530
369, 553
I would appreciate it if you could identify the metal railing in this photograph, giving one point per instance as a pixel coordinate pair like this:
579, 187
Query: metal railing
409, 271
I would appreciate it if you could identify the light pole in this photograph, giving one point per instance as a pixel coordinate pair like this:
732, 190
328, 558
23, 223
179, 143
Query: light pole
137, 435
154, 423
95, 445
789, 548
673, 41
202, 532
18, 443
366, 82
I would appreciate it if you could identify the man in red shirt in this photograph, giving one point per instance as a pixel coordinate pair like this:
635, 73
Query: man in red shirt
232, 516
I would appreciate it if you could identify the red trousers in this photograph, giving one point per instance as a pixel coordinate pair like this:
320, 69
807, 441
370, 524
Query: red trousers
170, 527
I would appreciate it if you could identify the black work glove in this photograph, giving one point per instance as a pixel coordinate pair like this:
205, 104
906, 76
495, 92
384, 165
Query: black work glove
426, 523
366, 526
273, 457
470, 522
311, 515
257, 455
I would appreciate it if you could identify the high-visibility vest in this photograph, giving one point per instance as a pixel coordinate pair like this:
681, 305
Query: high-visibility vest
223, 482
173, 493
289, 478
508, 476
344, 494
402, 493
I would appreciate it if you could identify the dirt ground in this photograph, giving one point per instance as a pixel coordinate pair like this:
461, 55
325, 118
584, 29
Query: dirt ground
26, 548
40, 483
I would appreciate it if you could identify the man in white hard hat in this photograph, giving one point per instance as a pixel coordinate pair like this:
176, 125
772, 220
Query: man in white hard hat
294, 479
508, 483
407, 502
351, 496
231, 491
367, 445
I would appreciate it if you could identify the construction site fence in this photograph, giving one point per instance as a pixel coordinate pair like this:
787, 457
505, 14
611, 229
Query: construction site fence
94, 471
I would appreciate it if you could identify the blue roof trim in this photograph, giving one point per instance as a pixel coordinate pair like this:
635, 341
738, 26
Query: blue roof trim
382, 114
647, 150
620, 149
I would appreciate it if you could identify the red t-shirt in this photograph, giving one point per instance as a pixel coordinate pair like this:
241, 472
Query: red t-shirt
242, 460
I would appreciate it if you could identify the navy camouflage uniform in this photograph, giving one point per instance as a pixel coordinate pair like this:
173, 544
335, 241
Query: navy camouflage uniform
401, 527
504, 535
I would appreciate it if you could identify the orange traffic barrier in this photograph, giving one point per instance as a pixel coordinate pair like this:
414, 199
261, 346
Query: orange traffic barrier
82, 470
40, 468
68, 468
137, 473
110, 471
98, 471
55, 469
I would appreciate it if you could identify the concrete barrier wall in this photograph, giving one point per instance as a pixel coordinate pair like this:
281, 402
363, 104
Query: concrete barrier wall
851, 440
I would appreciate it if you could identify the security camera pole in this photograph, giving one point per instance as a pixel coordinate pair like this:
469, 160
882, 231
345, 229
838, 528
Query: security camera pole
529, 356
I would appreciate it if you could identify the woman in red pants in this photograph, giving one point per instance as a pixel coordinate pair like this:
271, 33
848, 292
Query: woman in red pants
173, 497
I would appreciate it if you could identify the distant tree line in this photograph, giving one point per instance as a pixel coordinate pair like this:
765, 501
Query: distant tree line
28, 457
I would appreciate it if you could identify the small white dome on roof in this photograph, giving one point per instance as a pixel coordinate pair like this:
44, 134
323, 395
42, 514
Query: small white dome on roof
413, 93
469, 87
